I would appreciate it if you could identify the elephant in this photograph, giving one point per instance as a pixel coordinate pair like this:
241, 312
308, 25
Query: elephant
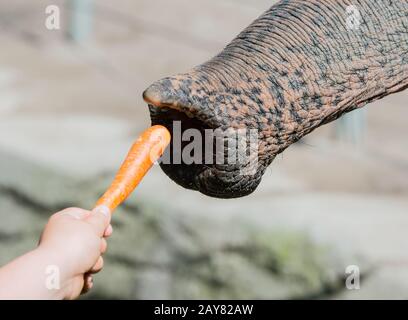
300, 65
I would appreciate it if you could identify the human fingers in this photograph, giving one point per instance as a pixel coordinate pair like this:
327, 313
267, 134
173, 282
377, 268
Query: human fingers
100, 219
108, 231
104, 245
98, 266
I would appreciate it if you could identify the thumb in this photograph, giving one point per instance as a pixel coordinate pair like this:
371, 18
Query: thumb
100, 218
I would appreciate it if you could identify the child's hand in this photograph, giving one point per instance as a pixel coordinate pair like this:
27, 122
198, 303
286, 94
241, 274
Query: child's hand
75, 239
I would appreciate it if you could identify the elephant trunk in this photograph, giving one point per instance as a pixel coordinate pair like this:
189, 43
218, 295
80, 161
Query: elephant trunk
300, 65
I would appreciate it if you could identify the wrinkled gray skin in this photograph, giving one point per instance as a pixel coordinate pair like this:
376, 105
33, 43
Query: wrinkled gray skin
295, 68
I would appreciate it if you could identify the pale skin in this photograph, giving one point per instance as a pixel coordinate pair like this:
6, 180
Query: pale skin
73, 242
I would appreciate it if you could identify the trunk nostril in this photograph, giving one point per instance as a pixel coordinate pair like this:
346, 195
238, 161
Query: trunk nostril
165, 93
153, 96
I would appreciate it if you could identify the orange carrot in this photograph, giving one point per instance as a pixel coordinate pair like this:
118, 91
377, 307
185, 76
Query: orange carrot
145, 151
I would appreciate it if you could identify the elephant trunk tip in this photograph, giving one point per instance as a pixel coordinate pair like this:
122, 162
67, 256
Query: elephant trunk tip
168, 93
193, 159
154, 95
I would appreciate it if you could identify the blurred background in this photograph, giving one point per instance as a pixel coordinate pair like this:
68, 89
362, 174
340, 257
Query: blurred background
71, 105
